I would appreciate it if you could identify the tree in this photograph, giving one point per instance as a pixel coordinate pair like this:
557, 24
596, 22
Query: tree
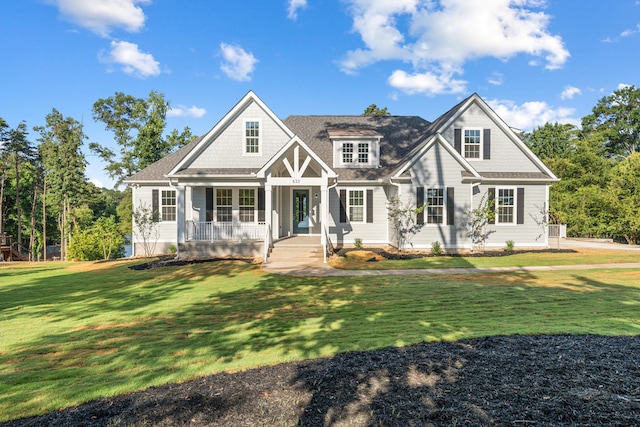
402, 217
373, 111
15, 145
624, 193
61, 140
145, 226
617, 118
100, 240
138, 125
478, 221
551, 140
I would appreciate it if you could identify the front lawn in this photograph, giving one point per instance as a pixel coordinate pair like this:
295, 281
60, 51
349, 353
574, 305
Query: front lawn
70, 333
363, 260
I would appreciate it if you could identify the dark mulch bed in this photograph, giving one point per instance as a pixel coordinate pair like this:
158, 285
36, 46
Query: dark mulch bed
388, 253
507, 381
171, 261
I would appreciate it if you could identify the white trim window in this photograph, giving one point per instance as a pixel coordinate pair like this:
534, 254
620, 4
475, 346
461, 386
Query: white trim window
224, 205
505, 206
435, 205
356, 153
347, 153
363, 153
472, 143
252, 137
356, 205
247, 204
168, 205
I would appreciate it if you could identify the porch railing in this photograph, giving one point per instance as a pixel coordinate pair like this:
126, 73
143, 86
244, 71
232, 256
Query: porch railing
216, 231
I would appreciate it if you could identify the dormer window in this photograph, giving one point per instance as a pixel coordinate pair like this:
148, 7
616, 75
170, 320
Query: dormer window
355, 148
252, 137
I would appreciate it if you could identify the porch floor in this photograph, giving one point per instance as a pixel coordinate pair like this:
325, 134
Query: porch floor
296, 241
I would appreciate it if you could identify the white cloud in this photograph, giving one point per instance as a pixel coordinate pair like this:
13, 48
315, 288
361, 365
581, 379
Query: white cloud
426, 83
97, 182
569, 92
496, 79
531, 114
628, 33
238, 64
132, 60
182, 111
294, 6
101, 16
441, 35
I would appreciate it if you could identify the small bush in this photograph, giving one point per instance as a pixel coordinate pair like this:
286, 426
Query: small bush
436, 248
509, 246
357, 243
173, 249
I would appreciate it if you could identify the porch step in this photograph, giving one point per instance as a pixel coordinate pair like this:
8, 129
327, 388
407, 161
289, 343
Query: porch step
295, 251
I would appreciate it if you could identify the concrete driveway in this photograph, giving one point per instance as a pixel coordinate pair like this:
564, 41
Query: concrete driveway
591, 244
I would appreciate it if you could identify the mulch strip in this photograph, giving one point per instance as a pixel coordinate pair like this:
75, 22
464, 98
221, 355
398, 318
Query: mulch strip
552, 380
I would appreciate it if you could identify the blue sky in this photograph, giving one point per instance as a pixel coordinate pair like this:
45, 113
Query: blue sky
534, 61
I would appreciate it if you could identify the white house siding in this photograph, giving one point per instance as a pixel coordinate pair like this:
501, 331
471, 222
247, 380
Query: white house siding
375, 233
226, 151
527, 235
167, 230
437, 168
506, 156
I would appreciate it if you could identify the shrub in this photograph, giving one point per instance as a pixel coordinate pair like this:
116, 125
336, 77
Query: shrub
173, 249
436, 248
509, 246
357, 243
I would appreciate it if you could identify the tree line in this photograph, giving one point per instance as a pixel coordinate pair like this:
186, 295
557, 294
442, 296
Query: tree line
45, 196
599, 167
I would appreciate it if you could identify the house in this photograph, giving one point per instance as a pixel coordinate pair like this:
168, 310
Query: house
254, 179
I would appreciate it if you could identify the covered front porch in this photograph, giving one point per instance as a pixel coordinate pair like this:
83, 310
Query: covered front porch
287, 197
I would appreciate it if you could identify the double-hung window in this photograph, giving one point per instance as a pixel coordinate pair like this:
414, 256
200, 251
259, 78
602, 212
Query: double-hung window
252, 137
347, 152
435, 205
472, 143
224, 205
247, 204
363, 152
506, 202
356, 205
168, 205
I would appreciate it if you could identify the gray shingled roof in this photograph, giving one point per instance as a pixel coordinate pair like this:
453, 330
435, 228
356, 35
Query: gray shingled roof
400, 134
157, 171
510, 175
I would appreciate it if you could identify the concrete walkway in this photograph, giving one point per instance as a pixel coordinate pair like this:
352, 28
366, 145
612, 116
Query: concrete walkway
317, 268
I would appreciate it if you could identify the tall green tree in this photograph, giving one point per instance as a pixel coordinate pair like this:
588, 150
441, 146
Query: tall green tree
18, 149
138, 125
552, 140
617, 119
373, 111
64, 164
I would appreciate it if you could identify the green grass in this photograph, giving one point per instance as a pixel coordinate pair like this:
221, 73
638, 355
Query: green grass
70, 333
358, 260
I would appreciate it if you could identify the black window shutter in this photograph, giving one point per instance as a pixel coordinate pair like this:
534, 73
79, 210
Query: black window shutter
261, 214
486, 143
369, 206
520, 213
420, 202
457, 140
155, 205
492, 204
209, 203
343, 206
450, 206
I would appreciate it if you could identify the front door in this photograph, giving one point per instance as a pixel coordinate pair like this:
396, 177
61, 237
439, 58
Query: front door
300, 211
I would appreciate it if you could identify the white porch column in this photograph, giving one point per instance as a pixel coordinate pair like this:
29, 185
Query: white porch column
268, 208
180, 214
324, 215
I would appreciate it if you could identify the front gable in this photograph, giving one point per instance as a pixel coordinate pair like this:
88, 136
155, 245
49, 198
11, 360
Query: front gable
487, 143
245, 139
